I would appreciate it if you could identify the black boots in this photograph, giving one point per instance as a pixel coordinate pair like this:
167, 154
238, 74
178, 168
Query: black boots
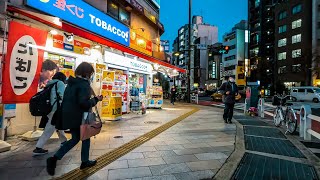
51, 165
88, 164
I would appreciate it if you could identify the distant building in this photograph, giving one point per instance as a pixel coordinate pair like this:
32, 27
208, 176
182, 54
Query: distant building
208, 35
165, 46
293, 43
215, 70
236, 63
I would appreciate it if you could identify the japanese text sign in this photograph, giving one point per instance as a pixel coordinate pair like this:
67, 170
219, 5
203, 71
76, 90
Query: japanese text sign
23, 63
83, 15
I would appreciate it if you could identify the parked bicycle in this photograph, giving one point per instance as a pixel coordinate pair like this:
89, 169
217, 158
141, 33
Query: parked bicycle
284, 114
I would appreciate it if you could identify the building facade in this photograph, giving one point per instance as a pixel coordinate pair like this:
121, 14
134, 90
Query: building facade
235, 63
293, 43
261, 48
215, 70
121, 36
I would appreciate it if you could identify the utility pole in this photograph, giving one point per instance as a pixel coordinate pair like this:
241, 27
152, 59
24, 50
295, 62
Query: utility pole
189, 50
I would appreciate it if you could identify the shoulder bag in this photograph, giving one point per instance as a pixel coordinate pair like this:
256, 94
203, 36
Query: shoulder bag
91, 123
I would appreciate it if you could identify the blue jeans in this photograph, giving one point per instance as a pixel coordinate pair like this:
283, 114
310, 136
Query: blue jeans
67, 146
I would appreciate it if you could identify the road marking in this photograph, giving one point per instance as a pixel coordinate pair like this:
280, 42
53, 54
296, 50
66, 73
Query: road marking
113, 155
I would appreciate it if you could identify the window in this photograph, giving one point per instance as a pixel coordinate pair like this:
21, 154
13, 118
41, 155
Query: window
301, 90
296, 53
282, 15
296, 38
118, 13
232, 47
282, 29
296, 9
282, 42
296, 68
296, 24
181, 56
282, 56
230, 58
257, 3
282, 70
295, 90
113, 9
181, 30
310, 91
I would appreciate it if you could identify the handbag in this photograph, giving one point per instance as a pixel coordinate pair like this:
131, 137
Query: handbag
91, 123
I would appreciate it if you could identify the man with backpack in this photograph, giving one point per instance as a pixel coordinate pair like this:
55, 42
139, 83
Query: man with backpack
230, 91
56, 86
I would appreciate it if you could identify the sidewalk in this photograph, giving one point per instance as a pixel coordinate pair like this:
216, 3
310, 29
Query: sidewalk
194, 148
264, 152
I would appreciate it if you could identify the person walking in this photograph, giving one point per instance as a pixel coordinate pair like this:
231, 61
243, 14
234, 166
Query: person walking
77, 100
230, 91
58, 89
173, 94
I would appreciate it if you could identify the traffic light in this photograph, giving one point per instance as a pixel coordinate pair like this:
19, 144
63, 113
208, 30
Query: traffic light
224, 49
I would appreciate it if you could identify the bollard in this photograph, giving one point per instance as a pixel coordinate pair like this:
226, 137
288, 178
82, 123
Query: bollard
305, 122
245, 106
262, 107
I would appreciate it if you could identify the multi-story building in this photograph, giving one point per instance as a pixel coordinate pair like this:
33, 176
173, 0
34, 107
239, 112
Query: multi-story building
261, 48
121, 36
208, 34
215, 69
293, 43
235, 62
165, 46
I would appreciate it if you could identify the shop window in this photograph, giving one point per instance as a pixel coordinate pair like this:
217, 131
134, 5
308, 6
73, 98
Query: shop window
113, 9
118, 13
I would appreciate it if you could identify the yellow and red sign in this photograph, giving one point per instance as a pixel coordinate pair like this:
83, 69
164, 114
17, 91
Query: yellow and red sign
80, 46
58, 41
139, 43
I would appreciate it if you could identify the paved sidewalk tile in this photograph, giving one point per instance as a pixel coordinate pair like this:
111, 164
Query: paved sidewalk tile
132, 155
158, 154
169, 169
164, 177
211, 156
145, 162
121, 164
188, 151
179, 159
196, 175
204, 165
129, 173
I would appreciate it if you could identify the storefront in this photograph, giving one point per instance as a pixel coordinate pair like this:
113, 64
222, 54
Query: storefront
67, 46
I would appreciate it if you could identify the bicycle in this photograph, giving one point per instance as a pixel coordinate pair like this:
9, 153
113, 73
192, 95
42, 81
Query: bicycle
287, 116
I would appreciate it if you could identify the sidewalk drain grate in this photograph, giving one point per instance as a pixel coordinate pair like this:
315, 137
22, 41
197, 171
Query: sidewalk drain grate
115, 154
117, 137
152, 122
272, 146
252, 123
263, 131
258, 167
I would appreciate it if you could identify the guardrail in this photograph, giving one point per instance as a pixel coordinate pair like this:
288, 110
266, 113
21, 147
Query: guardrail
306, 118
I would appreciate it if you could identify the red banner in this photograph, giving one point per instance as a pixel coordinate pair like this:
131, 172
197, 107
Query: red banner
23, 63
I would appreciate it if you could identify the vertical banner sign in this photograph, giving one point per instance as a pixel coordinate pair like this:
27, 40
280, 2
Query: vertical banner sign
23, 63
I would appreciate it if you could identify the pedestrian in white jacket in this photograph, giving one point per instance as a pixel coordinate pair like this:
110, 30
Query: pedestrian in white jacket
59, 78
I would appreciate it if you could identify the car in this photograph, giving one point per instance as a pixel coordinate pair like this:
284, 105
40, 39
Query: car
305, 93
217, 96
200, 91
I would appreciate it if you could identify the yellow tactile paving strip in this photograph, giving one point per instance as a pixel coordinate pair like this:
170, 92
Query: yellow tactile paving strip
115, 154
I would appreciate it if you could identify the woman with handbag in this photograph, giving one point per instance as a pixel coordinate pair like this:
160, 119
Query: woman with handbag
77, 101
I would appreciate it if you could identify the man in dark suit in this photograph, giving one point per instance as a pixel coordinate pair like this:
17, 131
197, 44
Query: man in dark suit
230, 91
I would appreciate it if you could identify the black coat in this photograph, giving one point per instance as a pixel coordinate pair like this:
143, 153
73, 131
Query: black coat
231, 98
76, 100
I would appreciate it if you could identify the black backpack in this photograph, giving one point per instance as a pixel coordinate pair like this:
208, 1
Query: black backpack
39, 104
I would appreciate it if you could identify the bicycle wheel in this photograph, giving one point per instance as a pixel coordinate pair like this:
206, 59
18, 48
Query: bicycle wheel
276, 117
291, 121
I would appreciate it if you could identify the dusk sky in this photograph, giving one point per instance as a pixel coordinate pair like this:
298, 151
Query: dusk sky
222, 13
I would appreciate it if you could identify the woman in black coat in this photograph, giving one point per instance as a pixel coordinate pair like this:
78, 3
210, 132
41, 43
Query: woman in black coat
76, 101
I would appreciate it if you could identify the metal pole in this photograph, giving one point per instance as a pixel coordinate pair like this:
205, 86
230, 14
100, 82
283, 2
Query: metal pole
189, 62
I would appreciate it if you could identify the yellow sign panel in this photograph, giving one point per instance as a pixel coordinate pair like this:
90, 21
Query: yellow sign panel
240, 76
68, 72
112, 108
108, 76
